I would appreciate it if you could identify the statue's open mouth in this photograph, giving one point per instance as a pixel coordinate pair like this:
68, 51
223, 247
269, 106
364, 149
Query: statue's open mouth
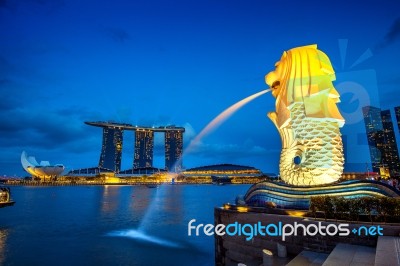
275, 85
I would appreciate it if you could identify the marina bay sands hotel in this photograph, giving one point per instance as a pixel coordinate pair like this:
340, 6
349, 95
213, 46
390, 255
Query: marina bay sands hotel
111, 149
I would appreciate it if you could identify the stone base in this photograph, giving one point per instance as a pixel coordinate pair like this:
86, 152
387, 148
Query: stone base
235, 249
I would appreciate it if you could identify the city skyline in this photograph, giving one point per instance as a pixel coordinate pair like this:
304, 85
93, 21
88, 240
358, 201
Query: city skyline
159, 63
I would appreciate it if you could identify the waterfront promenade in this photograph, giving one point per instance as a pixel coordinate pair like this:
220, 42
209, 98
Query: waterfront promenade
112, 179
122, 182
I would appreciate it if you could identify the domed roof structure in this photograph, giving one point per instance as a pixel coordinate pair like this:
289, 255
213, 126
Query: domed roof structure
43, 170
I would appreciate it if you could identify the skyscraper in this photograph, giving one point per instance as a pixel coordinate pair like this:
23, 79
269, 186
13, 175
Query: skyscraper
391, 154
397, 112
144, 144
381, 140
111, 149
173, 150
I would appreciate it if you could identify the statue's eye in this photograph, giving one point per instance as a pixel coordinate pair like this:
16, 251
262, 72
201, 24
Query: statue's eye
275, 84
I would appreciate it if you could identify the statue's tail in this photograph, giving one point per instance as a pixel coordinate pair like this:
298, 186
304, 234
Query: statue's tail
312, 151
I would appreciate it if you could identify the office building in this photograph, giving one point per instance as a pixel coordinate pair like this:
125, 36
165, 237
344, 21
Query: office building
397, 112
381, 140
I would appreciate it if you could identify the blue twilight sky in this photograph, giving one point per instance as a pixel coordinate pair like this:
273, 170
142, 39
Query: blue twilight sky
179, 62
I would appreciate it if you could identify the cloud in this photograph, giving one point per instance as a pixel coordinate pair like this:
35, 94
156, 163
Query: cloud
45, 129
391, 36
257, 156
16, 79
9, 100
190, 133
231, 150
219, 152
57, 135
117, 34
248, 152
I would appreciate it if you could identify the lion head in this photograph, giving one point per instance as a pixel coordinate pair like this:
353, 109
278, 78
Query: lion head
304, 74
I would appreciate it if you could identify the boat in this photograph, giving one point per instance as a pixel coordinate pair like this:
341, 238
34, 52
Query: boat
5, 197
152, 186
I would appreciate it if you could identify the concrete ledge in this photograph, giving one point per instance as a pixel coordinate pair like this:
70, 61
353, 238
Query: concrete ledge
351, 255
308, 258
387, 251
238, 249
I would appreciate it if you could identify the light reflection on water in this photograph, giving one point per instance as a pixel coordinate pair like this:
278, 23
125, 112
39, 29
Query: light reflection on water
142, 236
3, 239
97, 225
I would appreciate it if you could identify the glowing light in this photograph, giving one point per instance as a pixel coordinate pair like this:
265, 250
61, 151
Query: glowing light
268, 252
227, 206
242, 209
296, 213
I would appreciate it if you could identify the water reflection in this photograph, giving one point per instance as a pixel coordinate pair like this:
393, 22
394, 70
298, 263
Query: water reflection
174, 204
141, 236
166, 206
3, 239
149, 204
140, 198
128, 207
110, 196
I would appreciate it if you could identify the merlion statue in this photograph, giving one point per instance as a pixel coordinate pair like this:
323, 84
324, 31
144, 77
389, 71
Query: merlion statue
307, 117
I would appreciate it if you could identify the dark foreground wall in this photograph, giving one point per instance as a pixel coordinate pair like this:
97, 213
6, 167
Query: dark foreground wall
234, 249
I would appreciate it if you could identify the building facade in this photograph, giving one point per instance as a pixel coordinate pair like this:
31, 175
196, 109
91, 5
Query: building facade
397, 112
111, 149
144, 145
173, 150
391, 154
381, 140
